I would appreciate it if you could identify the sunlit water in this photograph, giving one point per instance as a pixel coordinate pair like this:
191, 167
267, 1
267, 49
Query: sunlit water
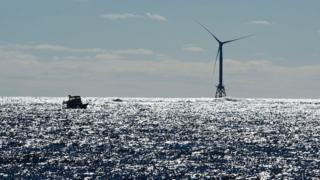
159, 138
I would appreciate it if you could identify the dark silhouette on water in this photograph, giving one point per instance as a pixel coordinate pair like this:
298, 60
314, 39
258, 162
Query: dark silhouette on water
221, 92
74, 102
117, 100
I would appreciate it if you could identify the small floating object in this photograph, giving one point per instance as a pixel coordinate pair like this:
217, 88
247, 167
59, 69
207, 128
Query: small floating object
117, 100
74, 102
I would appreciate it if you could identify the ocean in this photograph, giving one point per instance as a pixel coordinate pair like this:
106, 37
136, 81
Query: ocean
160, 138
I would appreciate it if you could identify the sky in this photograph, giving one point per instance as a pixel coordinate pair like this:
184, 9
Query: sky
148, 48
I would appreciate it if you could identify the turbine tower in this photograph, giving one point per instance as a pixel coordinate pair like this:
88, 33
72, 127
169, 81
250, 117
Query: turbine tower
221, 92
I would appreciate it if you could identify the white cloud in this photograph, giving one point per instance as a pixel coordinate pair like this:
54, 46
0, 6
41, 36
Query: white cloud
121, 54
51, 47
108, 72
108, 56
159, 63
139, 51
60, 48
261, 22
108, 61
259, 67
119, 16
123, 16
156, 17
192, 48
21, 52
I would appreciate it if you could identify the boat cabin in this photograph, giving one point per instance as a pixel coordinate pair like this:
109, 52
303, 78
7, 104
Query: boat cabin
74, 102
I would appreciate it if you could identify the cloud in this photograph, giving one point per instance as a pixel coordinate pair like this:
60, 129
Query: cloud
51, 47
144, 72
149, 59
156, 17
139, 51
61, 48
108, 56
261, 22
104, 75
119, 16
258, 68
21, 52
192, 48
124, 16
108, 61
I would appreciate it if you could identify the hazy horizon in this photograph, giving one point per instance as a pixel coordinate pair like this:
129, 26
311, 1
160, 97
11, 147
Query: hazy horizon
155, 49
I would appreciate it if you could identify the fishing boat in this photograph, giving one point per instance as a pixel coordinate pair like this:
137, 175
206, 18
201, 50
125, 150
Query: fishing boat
74, 102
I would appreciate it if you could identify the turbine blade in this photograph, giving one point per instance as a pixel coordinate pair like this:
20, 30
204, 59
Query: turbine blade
215, 63
217, 54
238, 39
209, 31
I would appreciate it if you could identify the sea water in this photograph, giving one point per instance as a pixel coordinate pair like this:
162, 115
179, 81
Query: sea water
159, 138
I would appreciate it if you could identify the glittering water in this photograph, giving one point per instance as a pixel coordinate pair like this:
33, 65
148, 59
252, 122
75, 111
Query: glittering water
159, 138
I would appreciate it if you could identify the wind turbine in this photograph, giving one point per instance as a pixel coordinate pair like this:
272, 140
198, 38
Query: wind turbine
221, 92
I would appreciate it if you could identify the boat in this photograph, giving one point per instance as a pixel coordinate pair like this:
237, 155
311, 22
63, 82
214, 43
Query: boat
74, 102
117, 100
